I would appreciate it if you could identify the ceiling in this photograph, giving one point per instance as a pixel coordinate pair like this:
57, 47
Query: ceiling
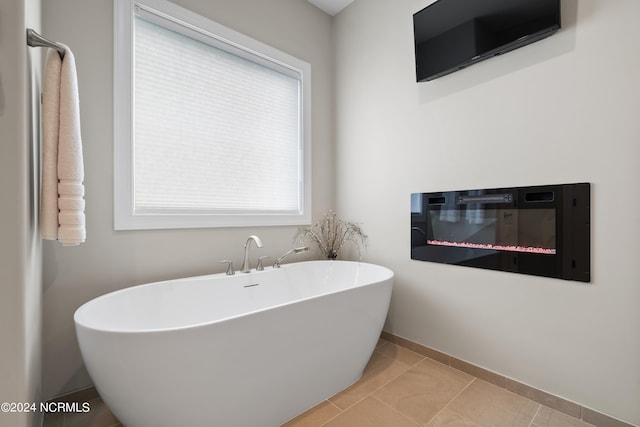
332, 7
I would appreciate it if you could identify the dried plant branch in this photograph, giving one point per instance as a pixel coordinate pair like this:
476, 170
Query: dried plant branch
331, 233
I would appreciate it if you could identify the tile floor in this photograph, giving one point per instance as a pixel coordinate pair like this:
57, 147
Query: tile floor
398, 388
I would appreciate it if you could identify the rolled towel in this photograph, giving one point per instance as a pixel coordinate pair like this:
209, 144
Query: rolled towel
66, 204
72, 218
70, 188
72, 234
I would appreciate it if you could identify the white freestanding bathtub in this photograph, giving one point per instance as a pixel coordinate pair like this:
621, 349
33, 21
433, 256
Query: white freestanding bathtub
250, 350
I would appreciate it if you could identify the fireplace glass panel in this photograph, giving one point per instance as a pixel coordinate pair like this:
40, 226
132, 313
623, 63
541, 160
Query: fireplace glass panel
542, 230
515, 230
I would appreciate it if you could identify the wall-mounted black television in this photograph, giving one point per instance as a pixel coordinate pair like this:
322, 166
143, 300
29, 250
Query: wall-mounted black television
453, 34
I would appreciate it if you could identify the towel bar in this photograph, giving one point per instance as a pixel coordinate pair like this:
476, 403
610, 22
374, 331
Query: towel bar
36, 40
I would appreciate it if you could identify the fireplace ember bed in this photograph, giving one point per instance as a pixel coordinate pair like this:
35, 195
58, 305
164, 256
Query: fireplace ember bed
539, 230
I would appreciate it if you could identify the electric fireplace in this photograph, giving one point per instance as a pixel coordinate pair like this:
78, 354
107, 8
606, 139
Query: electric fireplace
540, 230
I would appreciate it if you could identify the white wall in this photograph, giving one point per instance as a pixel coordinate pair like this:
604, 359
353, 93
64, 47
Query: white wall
20, 251
562, 110
112, 260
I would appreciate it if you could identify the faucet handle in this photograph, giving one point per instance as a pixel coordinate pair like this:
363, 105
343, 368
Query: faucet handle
260, 267
230, 270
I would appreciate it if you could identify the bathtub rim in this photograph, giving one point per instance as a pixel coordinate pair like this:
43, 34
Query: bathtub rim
387, 277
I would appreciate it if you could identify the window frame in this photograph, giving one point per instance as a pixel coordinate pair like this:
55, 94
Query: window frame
125, 216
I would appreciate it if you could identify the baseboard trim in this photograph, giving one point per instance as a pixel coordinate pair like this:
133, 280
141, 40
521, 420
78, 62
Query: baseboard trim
554, 402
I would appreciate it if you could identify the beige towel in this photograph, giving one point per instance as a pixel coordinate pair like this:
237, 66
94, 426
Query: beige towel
50, 133
63, 148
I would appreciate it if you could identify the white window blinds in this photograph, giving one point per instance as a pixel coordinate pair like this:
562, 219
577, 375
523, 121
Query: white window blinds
212, 127
213, 131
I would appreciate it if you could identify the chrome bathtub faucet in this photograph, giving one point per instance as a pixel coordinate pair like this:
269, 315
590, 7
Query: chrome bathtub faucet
246, 264
289, 252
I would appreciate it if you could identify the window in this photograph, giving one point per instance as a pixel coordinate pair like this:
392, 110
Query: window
212, 128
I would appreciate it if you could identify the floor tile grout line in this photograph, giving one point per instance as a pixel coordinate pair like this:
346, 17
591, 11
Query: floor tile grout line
535, 415
423, 357
332, 418
409, 367
333, 404
376, 389
452, 399
416, 422
342, 411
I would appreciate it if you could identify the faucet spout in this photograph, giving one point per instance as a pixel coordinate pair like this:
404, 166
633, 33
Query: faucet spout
289, 252
246, 264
